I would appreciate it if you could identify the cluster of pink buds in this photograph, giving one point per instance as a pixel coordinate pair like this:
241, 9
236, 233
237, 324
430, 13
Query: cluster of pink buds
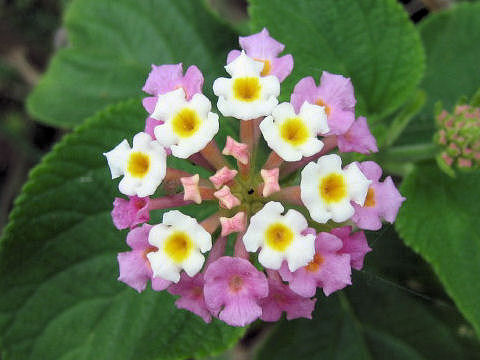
459, 136
287, 241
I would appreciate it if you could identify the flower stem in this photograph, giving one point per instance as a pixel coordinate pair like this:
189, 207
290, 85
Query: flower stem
273, 161
218, 250
289, 194
212, 154
198, 159
211, 223
167, 202
239, 250
175, 175
329, 143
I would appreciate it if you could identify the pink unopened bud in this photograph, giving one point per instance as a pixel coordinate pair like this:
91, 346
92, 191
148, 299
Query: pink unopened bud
238, 150
190, 188
448, 160
461, 108
237, 223
226, 198
222, 176
270, 181
442, 115
462, 162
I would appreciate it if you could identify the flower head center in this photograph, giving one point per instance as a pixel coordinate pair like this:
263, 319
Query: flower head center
333, 188
370, 199
267, 66
178, 246
315, 264
279, 236
320, 102
236, 283
186, 123
246, 89
138, 164
294, 131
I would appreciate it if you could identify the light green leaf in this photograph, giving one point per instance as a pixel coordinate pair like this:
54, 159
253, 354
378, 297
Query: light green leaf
439, 220
451, 39
59, 295
369, 321
371, 41
113, 44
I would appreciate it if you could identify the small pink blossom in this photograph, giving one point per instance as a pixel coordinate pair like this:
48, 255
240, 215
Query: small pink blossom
222, 176
191, 295
270, 181
190, 188
130, 213
328, 269
358, 138
236, 223
151, 124
354, 244
262, 47
238, 150
165, 78
383, 199
233, 290
226, 198
135, 270
335, 93
281, 298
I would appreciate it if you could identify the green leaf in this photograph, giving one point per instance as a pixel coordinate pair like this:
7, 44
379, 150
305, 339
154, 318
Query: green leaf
60, 297
439, 220
112, 45
371, 41
368, 321
451, 39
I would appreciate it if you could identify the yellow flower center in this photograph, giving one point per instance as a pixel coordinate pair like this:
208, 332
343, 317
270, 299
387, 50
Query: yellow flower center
320, 102
267, 67
138, 164
178, 246
246, 89
279, 236
370, 199
294, 131
186, 123
315, 264
333, 188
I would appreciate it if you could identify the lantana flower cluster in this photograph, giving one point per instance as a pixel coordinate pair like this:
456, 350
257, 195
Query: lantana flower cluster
458, 136
287, 241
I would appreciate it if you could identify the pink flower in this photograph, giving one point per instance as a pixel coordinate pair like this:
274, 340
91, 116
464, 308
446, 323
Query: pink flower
354, 244
135, 270
262, 47
130, 213
281, 298
328, 269
151, 123
335, 93
358, 138
191, 295
383, 199
233, 289
165, 78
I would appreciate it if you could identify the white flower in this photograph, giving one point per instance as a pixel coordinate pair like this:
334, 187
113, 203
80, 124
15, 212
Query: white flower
246, 95
292, 136
143, 166
188, 125
280, 237
180, 241
327, 190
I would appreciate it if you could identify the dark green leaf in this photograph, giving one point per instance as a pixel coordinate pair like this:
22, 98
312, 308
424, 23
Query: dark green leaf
370, 320
371, 41
60, 297
113, 43
439, 220
451, 39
